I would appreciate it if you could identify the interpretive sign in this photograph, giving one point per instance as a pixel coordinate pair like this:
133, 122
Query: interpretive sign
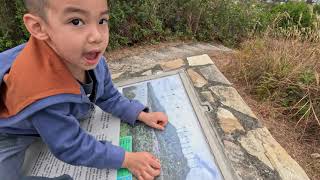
187, 148
181, 147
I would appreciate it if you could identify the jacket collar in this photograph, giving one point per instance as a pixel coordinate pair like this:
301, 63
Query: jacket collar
37, 72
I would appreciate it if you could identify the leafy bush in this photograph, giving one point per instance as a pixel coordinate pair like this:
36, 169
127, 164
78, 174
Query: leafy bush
139, 21
297, 14
12, 31
145, 21
235, 21
295, 21
133, 22
224, 20
316, 9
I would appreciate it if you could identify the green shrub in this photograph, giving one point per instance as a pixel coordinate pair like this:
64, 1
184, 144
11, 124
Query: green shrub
141, 21
134, 22
316, 9
12, 31
296, 14
145, 21
236, 20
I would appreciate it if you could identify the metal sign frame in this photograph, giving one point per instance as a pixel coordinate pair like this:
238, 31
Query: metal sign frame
210, 133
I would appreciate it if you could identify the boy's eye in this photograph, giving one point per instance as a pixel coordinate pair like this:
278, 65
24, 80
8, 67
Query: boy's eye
77, 22
103, 21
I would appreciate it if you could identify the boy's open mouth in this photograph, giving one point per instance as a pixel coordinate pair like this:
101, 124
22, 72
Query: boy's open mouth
92, 57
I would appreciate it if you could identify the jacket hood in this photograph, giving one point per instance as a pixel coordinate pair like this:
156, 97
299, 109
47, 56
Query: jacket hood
30, 73
7, 58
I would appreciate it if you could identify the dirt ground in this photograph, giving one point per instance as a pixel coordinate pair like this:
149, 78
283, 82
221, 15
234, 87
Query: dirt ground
279, 126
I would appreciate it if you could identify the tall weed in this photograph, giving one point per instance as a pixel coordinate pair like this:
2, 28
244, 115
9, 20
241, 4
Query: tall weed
285, 71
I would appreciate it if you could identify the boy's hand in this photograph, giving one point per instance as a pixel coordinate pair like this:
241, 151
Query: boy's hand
142, 164
156, 120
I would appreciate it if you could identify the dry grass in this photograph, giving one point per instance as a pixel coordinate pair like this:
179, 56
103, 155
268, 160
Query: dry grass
282, 131
281, 75
286, 72
275, 117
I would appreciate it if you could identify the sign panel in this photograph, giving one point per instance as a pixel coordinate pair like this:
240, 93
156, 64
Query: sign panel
181, 147
186, 148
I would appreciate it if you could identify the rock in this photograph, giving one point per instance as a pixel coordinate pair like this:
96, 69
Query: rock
147, 73
132, 64
208, 96
242, 167
261, 144
212, 73
199, 60
228, 122
158, 72
235, 153
116, 75
171, 65
253, 145
197, 79
315, 156
230, 97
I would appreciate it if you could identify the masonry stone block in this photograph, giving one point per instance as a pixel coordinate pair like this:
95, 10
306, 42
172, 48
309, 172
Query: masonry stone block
261, 144
231, 98
199, 60
228, 122
171, 65
212, 73
197, 79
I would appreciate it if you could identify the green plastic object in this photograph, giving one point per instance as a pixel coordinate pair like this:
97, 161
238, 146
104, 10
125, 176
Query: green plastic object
126, 144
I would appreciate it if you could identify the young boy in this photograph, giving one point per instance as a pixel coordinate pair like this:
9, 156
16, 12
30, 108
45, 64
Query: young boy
50, 82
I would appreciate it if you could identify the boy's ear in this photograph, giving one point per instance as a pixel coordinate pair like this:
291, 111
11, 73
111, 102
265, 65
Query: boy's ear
36, 26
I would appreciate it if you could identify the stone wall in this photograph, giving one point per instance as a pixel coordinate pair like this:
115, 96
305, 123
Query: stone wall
250, 148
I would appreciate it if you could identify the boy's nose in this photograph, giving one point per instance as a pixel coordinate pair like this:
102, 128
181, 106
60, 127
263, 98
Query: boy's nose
95, 36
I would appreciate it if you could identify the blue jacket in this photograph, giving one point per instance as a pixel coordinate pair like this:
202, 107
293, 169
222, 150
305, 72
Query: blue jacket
56, 118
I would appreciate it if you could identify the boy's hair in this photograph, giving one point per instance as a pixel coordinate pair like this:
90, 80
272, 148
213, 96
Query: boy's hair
37, 7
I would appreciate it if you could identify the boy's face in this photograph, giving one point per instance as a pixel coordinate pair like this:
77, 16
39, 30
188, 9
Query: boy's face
78, 31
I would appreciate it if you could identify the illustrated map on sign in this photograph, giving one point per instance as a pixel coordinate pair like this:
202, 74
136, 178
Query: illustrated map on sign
181, 147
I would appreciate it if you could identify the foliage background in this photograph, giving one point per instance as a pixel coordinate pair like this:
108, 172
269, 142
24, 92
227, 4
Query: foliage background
277, 45
145, 21
234, 23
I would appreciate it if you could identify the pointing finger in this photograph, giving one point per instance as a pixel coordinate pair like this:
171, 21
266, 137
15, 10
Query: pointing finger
155, 163
157, 126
